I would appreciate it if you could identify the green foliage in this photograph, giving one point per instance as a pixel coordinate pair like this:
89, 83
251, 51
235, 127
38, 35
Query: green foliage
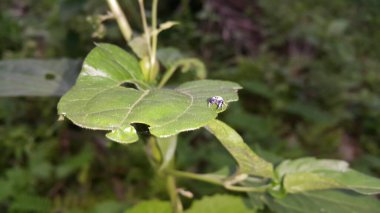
97, 101
25, 203
249, 162
310, 174
152, 206
219, 203
19, 77
208, 204
313, 80
311, 89
323, 201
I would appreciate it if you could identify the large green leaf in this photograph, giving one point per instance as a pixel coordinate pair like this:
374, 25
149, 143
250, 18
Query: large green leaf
327, 201
219, 203
33, 77
99, 101
311, 174
249, 162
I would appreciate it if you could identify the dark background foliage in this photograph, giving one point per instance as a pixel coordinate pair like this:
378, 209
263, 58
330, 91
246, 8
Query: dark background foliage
309, 69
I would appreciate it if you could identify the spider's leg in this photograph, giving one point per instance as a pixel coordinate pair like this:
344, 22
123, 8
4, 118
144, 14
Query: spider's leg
220, 105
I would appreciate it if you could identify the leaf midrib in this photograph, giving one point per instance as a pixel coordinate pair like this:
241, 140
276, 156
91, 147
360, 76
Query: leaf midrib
133, 106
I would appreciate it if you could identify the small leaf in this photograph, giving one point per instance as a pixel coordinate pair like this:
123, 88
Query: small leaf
248, 161
219, 203
99, 101
327, 201
151, 206
164, 26
139, 46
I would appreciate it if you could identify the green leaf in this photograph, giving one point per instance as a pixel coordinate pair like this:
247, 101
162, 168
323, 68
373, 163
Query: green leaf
164, 26
32, 77
219, 203
109, 206
255, 201
107, 65
139, 46
310, 164
327, 201
249, 162
323, 179
151, 206
312, 174
98, 101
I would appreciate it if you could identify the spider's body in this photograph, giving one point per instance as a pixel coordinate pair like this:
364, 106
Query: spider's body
219, 101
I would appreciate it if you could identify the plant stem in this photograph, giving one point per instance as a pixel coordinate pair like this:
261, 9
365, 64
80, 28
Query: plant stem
174, 198
121, 20
145, 26
147, 34
154, 35
167, 76
195, 176
217, 182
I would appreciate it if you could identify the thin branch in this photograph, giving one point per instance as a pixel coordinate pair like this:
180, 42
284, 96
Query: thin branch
155, 35
121, 20
174, 198
205, 178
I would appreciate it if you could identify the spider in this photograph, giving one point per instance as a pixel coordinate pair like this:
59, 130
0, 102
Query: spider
216, 100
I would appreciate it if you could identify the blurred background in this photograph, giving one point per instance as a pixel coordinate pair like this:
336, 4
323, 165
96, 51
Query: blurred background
310, 72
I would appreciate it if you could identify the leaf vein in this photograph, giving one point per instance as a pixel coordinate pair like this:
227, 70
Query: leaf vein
134, 105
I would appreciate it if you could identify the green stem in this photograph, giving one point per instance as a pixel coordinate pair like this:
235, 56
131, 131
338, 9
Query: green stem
247, 189
174, 198
157, 154
121, 20
145, 26
195, 176
154, 35
167, 76
204, 178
